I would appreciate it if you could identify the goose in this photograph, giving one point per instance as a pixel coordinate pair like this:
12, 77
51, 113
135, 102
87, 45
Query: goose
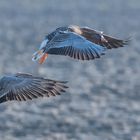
23, 86
82, 43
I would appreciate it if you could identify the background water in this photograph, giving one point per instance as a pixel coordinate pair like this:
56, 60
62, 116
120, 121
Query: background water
103, 101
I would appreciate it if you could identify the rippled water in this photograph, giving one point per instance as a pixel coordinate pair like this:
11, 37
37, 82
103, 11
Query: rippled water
103, 101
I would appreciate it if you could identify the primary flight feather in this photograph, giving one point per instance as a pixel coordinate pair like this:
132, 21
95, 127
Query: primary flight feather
24, 87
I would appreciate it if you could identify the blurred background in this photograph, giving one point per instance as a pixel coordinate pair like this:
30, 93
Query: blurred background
103, 101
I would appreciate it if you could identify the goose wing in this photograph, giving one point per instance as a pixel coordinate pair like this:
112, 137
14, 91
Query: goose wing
24, 87
74, 45
98, 37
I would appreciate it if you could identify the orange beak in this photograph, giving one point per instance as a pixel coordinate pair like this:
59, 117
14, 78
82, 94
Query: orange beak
43, 58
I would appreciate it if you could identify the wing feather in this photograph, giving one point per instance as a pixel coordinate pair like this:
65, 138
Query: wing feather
22, 87
74, 46
99, 38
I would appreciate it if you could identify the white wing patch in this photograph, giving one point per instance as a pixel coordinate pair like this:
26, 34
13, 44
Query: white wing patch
43, 44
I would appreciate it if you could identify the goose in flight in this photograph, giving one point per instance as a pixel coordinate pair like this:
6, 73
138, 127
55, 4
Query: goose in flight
77, 42
22, 87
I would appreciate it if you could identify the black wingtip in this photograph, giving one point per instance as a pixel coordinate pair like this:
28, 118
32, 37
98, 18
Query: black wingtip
127, 41
63, 84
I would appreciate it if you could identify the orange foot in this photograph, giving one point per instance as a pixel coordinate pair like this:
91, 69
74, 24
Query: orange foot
43, 58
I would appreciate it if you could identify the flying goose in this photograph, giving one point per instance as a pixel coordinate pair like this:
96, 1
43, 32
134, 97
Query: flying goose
77, 42
22, 87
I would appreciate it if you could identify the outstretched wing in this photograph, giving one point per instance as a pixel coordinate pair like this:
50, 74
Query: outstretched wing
75, 46
99, 38
24, 87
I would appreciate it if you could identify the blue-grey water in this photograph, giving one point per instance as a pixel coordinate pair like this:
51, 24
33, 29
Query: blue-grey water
103, 101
